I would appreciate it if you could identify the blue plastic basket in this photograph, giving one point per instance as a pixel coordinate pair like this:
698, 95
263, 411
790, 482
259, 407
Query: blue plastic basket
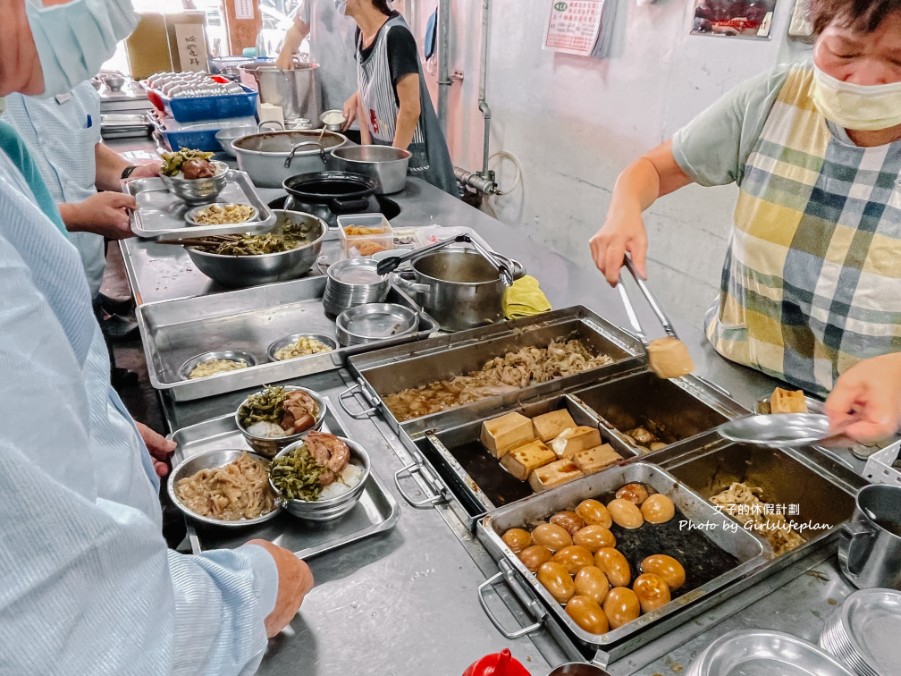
201, 136
217, 107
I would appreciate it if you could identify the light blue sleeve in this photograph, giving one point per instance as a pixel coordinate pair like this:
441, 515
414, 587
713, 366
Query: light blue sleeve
87, 585
714, 147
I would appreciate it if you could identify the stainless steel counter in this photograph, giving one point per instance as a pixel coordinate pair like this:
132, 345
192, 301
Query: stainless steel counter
405, 603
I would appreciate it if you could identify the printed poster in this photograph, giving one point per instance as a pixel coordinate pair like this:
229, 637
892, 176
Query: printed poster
574, 26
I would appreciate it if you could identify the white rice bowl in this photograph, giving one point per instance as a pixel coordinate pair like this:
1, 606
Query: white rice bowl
350, 477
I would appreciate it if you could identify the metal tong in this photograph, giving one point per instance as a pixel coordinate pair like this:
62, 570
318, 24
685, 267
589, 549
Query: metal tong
391, 263
630, 309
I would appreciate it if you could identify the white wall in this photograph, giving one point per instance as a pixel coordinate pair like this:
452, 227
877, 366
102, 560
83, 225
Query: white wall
575, 122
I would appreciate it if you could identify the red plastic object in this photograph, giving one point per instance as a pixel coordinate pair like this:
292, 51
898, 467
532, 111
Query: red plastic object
497, 664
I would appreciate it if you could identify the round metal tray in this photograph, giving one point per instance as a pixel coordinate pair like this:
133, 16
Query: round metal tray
374, 321
758, 652
231, 355
191, 215
864, 631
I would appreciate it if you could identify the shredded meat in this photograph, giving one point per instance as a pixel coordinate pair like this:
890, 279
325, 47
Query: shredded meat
299, 412
329, 452
742, 502
513, 371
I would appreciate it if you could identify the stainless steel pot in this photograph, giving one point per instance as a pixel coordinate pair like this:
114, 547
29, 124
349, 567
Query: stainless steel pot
271, 157
384, 164
296, 91
459, 288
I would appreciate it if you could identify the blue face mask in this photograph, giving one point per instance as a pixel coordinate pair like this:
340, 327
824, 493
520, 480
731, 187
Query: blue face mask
73, 40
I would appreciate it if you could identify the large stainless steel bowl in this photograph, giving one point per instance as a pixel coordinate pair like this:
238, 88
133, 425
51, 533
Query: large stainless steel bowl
198, 190
270, 157
211, 460
326, 510
269, 446
242, 271
386, 165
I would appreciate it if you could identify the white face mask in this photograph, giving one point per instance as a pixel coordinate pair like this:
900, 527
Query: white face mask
857, 107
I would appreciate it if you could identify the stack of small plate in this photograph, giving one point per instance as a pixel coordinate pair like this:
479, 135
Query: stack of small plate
373, 322
759, 652
354, 282
864, 632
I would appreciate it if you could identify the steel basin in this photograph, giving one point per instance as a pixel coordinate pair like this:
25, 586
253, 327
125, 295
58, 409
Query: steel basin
386, 165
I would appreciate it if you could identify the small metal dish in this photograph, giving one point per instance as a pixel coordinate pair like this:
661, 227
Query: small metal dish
863, 631
192, 214
211, 460
374, 321
269, 446
293, 338
327, 510
229, 355
781, 429
758, 651
332, 126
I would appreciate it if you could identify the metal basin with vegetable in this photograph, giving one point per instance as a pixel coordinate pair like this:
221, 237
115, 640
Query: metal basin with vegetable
386, 165
246, 261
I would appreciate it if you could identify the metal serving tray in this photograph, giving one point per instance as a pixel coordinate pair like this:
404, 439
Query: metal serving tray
247, 320
391, 370
376, 512
476, 477
674, 410
161, 213
719, 533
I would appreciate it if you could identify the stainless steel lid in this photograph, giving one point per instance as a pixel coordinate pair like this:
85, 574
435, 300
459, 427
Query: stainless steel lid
780, 429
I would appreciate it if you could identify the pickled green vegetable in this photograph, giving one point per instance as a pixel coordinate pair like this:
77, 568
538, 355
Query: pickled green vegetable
265, 406
172, 161
296, 475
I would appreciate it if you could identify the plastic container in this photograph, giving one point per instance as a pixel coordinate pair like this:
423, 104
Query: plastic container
195, 108
200, 135
364, 246
497, 664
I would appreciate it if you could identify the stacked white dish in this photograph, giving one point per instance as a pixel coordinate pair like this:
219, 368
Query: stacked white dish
864, 632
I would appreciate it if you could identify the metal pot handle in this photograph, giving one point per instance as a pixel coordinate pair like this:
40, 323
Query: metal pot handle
535, 608
262, 125
302, 144
852, 555
340, 205
351, 393
434, 494
407, 285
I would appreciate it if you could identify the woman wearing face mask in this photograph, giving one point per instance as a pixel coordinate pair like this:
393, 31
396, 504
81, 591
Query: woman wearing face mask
811, 285
391, 99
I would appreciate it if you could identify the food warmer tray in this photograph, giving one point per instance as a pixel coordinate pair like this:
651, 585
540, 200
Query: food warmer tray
481, 484
161, 213
376, 512
247, 320
390, 370
751, 552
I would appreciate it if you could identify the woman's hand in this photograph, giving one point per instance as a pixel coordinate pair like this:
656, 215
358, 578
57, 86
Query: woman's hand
652, 175
350, 110
622, 231
865, 404
295, 580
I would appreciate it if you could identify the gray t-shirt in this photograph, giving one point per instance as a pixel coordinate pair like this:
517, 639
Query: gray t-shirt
332, 47
714, 147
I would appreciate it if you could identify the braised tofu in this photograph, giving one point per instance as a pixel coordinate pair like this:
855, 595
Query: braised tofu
787, 401
575, 439
501, 434
554, 474
523, 460
549, 425
595, 459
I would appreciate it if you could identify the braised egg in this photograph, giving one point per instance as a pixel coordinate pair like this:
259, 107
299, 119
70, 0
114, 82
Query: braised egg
621, 606
666, 567
635, 493
573, 558
594, 513
594, 537
569, 521
652, 591
552, 536
517, 539
590, 581
587, 614
625, 514
614, 565
532, 557
658, 508
557, 580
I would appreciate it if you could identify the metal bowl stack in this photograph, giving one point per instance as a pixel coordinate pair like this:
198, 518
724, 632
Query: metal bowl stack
863, 633
759, 651
268, 447
373, 322
251, 270
211, 460
353, 282
198, 190
326, 510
